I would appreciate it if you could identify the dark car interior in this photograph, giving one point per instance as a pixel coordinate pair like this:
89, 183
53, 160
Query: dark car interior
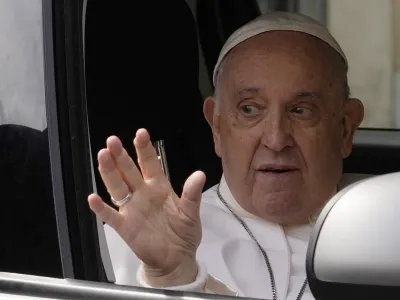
165, 100
163, 53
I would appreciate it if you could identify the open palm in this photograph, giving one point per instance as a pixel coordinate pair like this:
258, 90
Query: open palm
162, 229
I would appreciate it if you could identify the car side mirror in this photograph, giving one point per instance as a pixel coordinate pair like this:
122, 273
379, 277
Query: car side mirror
354, 250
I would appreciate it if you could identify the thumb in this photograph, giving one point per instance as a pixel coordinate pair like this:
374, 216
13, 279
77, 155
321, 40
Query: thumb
191, 194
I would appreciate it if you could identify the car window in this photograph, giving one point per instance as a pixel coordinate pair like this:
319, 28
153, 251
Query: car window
27, 220
133, 81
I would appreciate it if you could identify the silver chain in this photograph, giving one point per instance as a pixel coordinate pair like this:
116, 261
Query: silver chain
271, 273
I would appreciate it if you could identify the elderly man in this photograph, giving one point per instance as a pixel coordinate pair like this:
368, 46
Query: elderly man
282, 122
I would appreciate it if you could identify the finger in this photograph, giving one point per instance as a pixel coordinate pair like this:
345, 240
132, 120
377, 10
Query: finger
149, 162
112, 179
191, 195
124, 163
104, 212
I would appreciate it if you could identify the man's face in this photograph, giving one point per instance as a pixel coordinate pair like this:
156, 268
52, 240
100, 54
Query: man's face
283, 124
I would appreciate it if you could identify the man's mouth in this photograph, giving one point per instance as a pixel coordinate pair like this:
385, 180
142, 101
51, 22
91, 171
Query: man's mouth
276, 169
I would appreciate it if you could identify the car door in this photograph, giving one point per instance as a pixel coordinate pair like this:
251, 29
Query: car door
50, 134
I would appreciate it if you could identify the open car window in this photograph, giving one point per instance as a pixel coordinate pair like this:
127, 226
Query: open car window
157, 77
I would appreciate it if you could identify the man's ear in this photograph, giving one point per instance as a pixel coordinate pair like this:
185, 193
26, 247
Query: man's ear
353, 115
212, 117
209, 110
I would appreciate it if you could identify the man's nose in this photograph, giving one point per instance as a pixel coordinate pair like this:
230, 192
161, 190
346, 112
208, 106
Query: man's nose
277, 133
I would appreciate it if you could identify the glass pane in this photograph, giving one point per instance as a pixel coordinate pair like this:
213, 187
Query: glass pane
27, 219
369, 33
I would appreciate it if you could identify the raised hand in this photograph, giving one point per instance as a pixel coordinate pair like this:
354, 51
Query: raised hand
162, 229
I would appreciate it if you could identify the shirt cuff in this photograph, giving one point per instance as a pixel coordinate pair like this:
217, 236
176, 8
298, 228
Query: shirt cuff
204, 283
196, 286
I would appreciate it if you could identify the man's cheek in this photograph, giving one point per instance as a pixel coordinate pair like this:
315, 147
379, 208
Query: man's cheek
246, 144
310, 147
318, 151
239, 147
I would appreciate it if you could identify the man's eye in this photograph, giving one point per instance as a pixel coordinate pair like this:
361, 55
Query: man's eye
303, 111
249, 110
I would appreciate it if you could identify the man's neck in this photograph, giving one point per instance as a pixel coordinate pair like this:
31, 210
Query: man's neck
242, 212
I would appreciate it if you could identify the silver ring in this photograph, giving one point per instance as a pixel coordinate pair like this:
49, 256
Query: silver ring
121, 202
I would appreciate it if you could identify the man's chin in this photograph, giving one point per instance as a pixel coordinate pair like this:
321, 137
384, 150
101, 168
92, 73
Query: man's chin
280, 207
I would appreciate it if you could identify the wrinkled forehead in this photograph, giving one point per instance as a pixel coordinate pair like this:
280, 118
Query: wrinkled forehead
279, 51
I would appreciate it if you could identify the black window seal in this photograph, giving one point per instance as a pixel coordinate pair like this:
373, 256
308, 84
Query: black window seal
68, 139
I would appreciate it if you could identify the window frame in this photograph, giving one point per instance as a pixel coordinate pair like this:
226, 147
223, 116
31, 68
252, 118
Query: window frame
69, 140
377, 137
51, 288
71, 161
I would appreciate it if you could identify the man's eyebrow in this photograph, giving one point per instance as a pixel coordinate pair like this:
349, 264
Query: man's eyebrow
299, 95
307, 95
248, 90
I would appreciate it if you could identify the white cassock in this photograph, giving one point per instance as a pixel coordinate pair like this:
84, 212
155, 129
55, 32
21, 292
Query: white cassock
230, 261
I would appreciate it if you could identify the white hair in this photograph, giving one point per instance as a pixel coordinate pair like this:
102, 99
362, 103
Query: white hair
217, 87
